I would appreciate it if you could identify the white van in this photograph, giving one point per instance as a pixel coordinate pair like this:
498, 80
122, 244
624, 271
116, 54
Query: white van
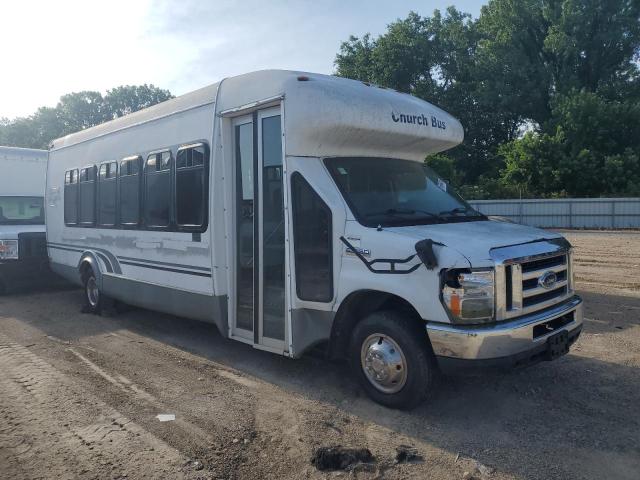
23, 254
292, 209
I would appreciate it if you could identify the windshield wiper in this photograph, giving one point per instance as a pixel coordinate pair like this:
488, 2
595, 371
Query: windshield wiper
469, 213
400, 211
456, 210
395, 212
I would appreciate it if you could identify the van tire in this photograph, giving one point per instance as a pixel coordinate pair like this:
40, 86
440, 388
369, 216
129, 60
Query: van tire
93, 297
401, 369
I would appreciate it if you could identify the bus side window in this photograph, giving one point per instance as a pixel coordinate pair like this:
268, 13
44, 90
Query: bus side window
192, 187
130, 179
157, 190
71, 197
312, 242
87, 206
107, 194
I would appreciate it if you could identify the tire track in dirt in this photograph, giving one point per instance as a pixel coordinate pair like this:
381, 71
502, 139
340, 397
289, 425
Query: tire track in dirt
45, 411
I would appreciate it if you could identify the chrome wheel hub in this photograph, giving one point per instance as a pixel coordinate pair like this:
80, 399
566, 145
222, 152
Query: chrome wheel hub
383, 363
93, 294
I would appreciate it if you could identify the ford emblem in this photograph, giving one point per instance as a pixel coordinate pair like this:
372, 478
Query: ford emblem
548, 280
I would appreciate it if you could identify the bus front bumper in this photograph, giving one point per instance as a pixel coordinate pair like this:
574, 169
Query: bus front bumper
543, 335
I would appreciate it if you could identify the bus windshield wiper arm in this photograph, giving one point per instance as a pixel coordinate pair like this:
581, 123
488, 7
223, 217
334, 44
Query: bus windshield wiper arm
396, 211
453, 211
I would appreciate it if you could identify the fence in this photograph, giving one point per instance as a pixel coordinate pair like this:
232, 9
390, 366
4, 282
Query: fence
566, 212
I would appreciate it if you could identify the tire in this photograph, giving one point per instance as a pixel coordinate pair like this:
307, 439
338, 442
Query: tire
94, 300
392, 358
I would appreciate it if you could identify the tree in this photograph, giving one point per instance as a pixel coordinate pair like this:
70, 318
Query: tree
126, 99
78, 111
593, 150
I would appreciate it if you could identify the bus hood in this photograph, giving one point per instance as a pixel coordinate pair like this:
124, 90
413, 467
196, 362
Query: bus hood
10, 232
475, 240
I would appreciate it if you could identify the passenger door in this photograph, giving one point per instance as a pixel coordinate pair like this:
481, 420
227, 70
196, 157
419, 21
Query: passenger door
260, 303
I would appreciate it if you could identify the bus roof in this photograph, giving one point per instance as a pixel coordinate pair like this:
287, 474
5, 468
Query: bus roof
324, 115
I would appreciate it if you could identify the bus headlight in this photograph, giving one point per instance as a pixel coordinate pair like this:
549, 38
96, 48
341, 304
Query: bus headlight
468, 295
8, 249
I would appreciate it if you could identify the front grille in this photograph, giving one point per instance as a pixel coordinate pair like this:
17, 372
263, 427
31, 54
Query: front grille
544, 263
524, 288
32, 244
544, 297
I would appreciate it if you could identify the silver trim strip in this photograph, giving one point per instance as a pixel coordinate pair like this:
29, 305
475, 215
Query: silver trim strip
537, 273
539, 290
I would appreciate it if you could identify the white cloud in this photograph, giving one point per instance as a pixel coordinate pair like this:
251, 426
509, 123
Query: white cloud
52, 48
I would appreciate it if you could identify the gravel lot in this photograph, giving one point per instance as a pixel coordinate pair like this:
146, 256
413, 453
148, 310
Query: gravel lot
79, 395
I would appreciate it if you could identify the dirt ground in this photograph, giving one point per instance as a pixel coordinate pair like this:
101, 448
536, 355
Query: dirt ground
79, 396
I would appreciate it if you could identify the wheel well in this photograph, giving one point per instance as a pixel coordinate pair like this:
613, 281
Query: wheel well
356, 307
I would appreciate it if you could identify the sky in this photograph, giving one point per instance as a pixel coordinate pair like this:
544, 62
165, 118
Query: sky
49, 48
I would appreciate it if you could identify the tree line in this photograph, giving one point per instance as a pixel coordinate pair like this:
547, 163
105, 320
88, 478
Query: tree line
77, 111
548, 92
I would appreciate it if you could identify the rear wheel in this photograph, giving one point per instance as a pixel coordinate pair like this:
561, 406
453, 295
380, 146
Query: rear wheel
92, 293
392, 358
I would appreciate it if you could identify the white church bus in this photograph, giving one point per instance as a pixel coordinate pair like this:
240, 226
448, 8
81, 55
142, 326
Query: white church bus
292, 209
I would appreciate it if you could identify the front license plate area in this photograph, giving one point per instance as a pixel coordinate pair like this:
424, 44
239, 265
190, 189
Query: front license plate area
557, 345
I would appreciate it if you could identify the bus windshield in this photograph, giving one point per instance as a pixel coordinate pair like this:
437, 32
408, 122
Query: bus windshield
21, 210
390, 192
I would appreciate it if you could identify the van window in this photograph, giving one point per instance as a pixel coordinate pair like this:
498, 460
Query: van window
312, 242
157, 190
192, 186
86, 210
71, 197
130, 191
107, 194
21, 210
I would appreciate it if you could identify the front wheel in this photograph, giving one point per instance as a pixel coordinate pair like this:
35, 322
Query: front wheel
393, 360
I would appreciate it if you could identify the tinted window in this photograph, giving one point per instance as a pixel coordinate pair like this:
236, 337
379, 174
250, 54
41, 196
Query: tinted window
273, 250
157, 193
312, 242
71, 197
130, 191
191, 186
107, 194
86, 214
